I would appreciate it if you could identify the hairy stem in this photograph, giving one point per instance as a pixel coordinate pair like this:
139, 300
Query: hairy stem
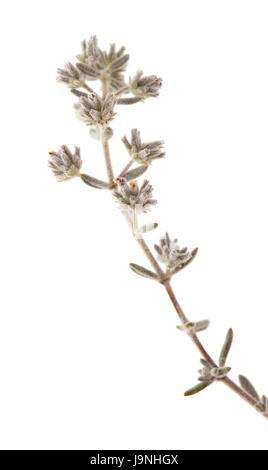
150, 257
184, 319
165, 281
109, 168
105, 143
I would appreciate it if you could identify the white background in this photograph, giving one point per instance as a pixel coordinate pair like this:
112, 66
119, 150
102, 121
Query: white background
89, 354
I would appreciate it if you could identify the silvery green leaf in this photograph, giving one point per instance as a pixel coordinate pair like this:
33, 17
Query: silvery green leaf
158, 250
201, 325
183, 265
86, 69
94, 182
133, 174
220, 372
248, 387
264, 400
205, 378
197, 388
143, 271
226, 347
131, 100
78, 93
147, 228
205, 363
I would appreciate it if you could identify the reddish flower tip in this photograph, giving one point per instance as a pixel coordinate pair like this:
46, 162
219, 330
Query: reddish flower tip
119, 180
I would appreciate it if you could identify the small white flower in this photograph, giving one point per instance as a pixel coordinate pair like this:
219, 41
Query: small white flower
143, 153
93, 110
174, 257
70, 75
98, 64
64, 163
130, 196
145, 87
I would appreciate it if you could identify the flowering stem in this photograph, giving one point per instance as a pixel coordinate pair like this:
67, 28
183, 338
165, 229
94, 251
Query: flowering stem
166, 283
175, 303
150, 257
66, 165
145, 248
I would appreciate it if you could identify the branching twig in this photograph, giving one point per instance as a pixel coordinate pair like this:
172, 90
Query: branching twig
98, 112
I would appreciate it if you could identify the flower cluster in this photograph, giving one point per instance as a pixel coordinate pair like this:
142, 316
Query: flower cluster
98, 64
64, 163
144, 87
174, 257
90, 50
93, 110
70, 75
143, 153
130, 196
108, 67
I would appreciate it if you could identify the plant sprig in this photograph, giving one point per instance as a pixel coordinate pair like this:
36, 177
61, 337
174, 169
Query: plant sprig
97, 112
